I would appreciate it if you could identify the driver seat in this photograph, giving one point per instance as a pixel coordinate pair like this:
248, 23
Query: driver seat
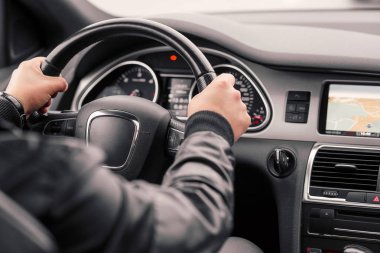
22, 233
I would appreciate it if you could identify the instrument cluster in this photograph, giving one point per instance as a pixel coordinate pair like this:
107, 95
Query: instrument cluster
163, 77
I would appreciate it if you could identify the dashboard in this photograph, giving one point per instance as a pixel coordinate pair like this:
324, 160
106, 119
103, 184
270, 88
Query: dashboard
307, 170
313, 101
162, 76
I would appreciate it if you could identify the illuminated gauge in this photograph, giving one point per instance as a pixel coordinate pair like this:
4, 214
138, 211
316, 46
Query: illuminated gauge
251, 95
131, 78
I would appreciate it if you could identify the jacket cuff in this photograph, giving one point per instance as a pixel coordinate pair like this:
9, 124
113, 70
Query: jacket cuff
9, 112
209, 121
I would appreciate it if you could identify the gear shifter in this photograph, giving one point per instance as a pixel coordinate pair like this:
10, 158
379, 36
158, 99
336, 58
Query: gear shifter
356, 249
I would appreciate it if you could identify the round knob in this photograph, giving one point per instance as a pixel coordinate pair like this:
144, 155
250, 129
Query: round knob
281, 162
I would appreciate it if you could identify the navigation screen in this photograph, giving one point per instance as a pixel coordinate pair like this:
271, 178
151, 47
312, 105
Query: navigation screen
353, 110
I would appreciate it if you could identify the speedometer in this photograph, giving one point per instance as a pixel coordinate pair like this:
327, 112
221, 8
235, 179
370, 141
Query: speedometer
251, 95
131, 78
137, 79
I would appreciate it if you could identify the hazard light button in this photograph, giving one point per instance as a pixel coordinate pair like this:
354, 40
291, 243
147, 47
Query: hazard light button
373, 198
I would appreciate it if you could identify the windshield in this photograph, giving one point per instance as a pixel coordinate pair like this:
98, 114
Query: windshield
125, 8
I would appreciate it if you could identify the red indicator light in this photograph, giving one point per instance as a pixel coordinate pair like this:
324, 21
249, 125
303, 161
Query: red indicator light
376, 199
173, 57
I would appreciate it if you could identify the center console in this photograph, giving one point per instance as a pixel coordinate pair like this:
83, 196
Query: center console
341, 201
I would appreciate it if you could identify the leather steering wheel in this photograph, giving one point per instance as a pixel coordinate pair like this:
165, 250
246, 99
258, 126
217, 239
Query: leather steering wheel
128, 128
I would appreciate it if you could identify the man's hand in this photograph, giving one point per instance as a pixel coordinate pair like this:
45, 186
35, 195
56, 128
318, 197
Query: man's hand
221, 97
32, 88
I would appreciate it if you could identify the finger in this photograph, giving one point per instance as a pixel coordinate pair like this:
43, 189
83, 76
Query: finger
43, 110
47, 104
36, 62
225, 77
56, 84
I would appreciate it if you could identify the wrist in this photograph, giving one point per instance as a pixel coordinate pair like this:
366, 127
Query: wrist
209, 121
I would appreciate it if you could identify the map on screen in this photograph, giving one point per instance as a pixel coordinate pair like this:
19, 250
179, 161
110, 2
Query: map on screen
353, 109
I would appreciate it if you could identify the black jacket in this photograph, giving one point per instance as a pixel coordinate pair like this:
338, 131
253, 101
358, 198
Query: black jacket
89, 209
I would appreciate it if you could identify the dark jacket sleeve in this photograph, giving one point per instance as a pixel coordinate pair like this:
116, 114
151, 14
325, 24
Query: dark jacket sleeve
89, 209
9, 113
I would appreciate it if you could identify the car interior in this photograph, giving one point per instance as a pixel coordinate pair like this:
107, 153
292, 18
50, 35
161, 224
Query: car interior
307, 169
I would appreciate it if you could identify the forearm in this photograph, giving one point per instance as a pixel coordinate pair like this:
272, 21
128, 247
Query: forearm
88, 209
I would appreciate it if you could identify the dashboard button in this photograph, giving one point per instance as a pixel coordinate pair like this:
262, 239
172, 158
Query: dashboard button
373, 198
356, 197
291, 117
299, 95
296, 117
327, 213
290, 107
313, 250
302, 107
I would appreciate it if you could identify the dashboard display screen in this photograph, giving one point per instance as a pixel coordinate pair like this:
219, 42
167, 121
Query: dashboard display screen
178, 96
353, 110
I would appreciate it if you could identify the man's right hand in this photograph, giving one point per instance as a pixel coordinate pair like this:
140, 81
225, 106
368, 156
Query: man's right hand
221, 97
32, 88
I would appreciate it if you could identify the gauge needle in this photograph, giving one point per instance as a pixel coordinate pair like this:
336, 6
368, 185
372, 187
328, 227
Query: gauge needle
135, 93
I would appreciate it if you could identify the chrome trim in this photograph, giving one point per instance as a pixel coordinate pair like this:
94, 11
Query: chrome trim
357, 231
335, 201
344, 237
118, 114
109, 69
253, 83
176, 75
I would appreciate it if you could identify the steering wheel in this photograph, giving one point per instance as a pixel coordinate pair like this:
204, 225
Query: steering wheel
127, 128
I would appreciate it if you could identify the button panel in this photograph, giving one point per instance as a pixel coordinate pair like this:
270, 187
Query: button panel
62, 127
297, 107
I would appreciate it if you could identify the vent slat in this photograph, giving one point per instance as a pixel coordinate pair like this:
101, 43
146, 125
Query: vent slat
350, 152
363, 171
334, 173
374, 167
325, 175
348, 160
344, 179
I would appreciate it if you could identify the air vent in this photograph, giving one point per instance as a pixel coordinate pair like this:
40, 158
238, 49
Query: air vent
346, 168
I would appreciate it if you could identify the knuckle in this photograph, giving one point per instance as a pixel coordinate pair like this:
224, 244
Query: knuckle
23, 65
236, 94
223, 84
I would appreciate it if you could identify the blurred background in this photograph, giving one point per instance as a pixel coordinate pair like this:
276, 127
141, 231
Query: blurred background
149, 7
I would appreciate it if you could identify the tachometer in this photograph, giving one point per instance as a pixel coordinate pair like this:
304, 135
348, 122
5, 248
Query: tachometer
251, 95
